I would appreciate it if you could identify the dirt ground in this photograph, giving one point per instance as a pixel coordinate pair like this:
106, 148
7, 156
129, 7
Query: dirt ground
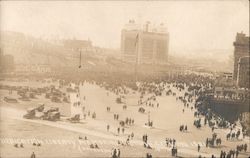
167, 120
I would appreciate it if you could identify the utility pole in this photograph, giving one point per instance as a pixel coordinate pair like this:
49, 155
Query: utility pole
80, 64
137, 55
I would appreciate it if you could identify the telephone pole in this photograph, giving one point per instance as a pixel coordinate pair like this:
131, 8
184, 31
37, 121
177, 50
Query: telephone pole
137, 56
80, 63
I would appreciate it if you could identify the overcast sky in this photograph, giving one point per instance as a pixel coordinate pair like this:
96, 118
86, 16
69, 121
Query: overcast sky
192, 25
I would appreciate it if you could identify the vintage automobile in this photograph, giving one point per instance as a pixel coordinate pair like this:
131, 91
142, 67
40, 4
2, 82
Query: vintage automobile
32, 95
24, 98
40, 107
52, 116
10, 100
75, 118
55, 99
31, 112
52, 109
65, 99
47, 95
119, 100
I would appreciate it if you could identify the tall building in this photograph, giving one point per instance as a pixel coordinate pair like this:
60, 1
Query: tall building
241, 49
146, 44
243, 72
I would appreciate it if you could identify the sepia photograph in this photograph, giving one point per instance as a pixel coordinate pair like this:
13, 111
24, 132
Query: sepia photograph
124, 79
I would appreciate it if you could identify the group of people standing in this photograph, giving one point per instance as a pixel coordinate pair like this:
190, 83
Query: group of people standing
115, 153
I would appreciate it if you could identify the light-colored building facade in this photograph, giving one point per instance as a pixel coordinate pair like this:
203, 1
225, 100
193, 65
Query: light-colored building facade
146, 44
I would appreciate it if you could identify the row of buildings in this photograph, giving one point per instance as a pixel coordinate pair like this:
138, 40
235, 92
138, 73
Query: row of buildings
149, 44
6, 62
36, 55
139, 43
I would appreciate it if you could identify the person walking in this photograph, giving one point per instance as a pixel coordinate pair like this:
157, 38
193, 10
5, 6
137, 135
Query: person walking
132, 135
207, 142
118, 153
33, 155
114, 153
108, 128
118, 130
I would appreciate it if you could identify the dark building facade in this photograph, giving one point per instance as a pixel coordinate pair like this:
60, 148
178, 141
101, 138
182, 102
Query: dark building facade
241, 49
146, 45
243, 72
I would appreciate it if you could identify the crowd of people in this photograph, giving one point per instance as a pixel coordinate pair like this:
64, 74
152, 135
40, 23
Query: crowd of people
150, 87
196, 86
